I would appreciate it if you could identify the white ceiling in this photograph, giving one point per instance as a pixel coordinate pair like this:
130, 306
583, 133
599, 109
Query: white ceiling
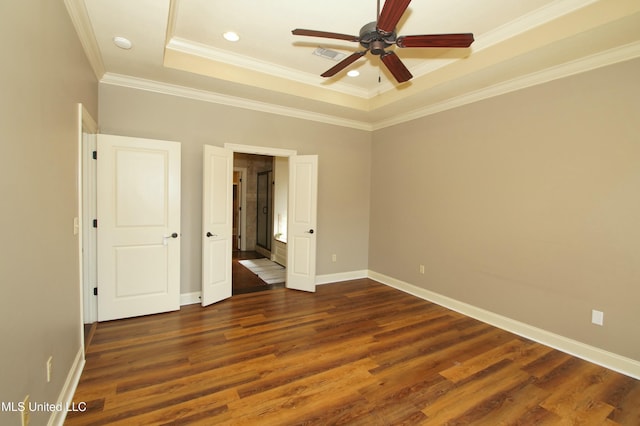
178, 48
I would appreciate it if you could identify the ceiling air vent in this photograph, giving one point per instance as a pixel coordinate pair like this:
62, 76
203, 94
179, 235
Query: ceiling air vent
329, 54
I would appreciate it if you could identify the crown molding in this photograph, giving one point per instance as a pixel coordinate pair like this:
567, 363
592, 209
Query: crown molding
536, 18
517, 26
219, 55
206, 96
599, 60
609, 57
80, 19
511, 29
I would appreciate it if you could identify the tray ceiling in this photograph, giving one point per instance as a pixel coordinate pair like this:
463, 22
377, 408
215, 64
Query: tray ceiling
178, 48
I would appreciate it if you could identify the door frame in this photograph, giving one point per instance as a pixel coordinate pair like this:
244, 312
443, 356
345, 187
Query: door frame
86, 192
258, 150
262, 150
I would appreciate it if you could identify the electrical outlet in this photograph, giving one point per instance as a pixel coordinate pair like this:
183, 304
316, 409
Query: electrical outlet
422, 269
597, 317
49, 368
25, 412
334, 258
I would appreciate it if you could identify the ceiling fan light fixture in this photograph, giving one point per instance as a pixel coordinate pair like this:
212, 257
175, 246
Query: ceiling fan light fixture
122, 42
377, 36
231, 36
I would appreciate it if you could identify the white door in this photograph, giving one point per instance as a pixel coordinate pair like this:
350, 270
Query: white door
138, 212
301, 240
217, 224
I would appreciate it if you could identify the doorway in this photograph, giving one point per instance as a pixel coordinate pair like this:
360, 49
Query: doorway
262, 175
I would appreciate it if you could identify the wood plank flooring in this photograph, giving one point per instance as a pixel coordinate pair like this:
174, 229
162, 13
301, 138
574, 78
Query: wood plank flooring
356, 352
245, 281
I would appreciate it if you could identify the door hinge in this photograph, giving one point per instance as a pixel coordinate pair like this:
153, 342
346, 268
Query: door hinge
95, 155
95, 291
95, 223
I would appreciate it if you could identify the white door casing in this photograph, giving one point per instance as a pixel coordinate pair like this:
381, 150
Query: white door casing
138, 212
217, 224
87, 131
302, 222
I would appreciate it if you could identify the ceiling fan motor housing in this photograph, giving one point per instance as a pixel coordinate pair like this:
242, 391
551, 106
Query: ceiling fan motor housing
371, 39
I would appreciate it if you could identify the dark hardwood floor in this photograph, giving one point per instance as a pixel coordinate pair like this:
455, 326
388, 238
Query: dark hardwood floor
356, 352
245, 281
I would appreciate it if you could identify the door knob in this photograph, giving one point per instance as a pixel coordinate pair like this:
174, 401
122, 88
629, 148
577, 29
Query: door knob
209, 234
166, 237
310, 231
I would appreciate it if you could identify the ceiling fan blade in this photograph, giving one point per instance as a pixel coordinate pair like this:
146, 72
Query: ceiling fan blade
391, 13
325, 34
397, 68
343, 64
436, 40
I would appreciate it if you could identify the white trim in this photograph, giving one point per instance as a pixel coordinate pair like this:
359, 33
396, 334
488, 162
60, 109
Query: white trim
88, 233
217, 98
81, 22
260, 150
527, 22
341, 276
194, 297
581, 350
189, 47
190, 298
78, 221
68, 390
521, 24
599, 60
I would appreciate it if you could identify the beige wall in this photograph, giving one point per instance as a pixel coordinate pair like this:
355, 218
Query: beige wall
43, 75
527, 205
344, 166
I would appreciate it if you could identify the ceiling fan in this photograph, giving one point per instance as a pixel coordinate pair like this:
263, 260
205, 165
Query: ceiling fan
377, 36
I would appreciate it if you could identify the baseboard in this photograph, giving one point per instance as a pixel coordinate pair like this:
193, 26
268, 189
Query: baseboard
68, 390
190, 298
581, 350
341, 276
194, 297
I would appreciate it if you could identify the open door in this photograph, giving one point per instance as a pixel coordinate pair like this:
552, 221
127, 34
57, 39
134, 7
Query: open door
301, 241
138, 210
217, 224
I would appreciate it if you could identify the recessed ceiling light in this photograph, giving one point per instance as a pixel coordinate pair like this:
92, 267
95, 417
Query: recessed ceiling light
353, 73
231, 36
122, 43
